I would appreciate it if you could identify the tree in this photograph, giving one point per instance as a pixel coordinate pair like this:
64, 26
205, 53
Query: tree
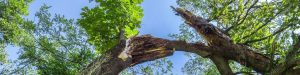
12, 25
256, 34
53, 45
259, 36
59, 45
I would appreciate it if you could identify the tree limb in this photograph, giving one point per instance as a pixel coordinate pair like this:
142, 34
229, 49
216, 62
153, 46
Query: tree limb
138, 50
244, 18
222, 45
263, 38
263, 25
222, 65
248, 73
294, 50
145, 48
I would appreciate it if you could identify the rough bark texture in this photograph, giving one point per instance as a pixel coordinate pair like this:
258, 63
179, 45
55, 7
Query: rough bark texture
220, 49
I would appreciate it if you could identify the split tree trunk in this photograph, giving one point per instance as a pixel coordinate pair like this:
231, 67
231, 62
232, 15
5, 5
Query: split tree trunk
144, 48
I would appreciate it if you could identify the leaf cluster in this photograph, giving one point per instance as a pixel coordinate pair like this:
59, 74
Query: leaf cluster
105, 22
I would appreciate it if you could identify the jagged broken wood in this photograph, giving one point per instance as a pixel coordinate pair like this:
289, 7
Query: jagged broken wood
144, 48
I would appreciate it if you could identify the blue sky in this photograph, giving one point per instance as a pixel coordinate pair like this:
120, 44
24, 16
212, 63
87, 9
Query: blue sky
159, 20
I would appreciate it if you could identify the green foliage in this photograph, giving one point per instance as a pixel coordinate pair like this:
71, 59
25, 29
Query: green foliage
158, 67
2, 53
104, 23
197, 65
59, 45
56, 45
187, 34
52, 45
12, 23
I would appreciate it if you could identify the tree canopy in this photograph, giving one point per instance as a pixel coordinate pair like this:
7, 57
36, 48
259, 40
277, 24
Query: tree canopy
12, 25
224, 37
106, 21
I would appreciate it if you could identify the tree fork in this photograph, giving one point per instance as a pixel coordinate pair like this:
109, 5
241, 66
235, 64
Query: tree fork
145, 48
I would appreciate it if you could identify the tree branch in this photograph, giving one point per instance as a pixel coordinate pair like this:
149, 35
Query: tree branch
145, 48
221, 44
294, 50
244, 18
260, 27
247, 73
138, 50
263, 38
289, 62
222, 65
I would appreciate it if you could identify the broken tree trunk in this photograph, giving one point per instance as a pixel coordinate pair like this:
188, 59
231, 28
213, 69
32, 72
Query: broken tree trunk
144, 48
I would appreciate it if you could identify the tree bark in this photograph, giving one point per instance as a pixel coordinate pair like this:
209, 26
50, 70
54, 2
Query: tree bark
145, 48
222, 65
